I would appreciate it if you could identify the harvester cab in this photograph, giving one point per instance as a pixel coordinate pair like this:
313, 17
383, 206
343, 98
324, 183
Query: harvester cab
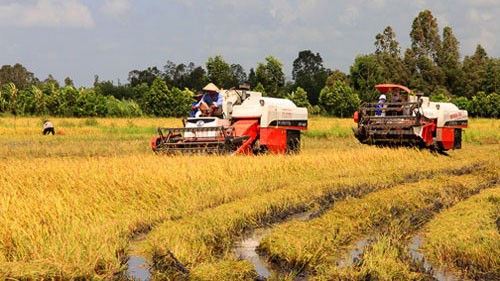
250, 123
412, 121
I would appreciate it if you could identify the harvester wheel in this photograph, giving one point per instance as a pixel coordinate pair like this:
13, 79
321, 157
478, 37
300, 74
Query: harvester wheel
257, 148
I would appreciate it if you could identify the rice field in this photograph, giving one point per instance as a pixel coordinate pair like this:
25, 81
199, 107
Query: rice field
73, 204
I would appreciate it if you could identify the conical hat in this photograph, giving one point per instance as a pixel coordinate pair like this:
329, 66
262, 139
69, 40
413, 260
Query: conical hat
210, 87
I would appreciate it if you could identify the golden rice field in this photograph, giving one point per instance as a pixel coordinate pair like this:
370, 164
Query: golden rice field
73, 205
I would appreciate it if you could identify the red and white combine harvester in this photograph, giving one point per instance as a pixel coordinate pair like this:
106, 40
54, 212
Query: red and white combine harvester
250, 123
413, 121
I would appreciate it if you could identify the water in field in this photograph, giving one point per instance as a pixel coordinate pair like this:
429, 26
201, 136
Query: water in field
440, 273
354, 255
137, 265
138, 268
246, 248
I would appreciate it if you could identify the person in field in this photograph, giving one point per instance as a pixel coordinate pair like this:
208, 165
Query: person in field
380, 106
48, 127
194, 109
211, 102
396, 98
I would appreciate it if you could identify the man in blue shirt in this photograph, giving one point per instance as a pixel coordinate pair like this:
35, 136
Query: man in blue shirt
211, 102
194, 108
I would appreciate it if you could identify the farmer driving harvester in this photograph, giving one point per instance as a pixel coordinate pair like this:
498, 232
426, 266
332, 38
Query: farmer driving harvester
211, 102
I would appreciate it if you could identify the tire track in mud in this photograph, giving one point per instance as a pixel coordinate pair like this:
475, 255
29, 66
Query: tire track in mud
332, 193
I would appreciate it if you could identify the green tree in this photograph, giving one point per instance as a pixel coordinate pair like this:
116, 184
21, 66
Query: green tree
425, 40
366, 72
271, 76
32, 101
18, 75
475, 71
461, 102
386, 42
156, 99
493, 105
339, 100
449, 61
299, 97
10, 92
68, 82
238, 75
136, 77
219, 71
389, 58
310, 74
68, 103
491, 79
252, 79
426, 45
337, 75
90, 104
478, 105
260, 88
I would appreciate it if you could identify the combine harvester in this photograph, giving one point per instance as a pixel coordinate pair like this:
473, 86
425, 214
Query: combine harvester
415, 121
250, 123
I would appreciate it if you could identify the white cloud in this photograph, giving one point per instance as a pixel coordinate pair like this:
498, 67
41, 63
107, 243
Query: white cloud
350, 16
477, 16
289, 12
116, 8
46, 13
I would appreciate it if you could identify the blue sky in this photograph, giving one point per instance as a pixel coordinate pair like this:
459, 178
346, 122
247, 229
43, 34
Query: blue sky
109, 38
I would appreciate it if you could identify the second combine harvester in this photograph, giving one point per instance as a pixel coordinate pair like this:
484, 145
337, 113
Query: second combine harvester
250, 123
412, 121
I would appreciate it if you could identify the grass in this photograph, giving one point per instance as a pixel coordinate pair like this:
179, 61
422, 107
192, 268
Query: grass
70, 203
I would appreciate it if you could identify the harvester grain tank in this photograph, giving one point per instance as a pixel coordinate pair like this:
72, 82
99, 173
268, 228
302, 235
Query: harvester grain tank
250, 123
414, 121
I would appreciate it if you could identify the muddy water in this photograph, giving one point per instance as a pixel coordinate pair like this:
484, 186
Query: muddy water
137, 264
354, 254
138, 268
438, 272
246, 248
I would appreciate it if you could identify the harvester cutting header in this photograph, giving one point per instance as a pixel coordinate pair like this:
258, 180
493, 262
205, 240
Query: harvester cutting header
235, 121
409, 119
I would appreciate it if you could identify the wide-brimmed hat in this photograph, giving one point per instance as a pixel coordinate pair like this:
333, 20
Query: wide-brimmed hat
382, 97
210, 87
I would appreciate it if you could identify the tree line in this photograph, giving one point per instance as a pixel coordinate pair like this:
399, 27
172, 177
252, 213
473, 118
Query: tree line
431, 65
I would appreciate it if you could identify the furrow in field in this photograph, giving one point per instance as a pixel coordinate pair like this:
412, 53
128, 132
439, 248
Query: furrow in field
318, 244
208, 235
467, 236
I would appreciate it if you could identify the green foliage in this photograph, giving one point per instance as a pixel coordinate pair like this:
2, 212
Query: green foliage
431, 65
156, 100
425, 40
271, 76
260, 88
299, 97
461, 102
219, 71
18, 75
180, 102
366, 72
339, 100
310, 74
440, 94
337, 75
161, 101
481, 105
122, 108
